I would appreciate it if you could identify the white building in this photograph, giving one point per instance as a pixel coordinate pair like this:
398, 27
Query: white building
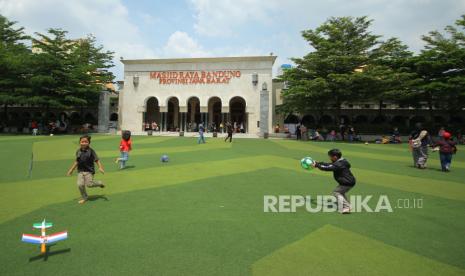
177, 93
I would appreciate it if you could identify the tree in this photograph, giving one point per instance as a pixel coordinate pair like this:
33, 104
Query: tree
90, 71
441, 70
51, 70
14, 64
328, 76
68, 72
389, 76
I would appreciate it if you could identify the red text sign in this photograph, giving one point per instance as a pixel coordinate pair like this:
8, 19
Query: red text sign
194, 77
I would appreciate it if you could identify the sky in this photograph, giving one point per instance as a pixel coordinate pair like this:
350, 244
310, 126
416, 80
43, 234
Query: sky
214, 28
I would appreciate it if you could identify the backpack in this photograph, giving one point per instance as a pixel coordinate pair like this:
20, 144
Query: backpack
416, 143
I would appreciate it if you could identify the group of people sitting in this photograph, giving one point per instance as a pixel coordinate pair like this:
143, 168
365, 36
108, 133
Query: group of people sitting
303, 133
394, 138
153, 126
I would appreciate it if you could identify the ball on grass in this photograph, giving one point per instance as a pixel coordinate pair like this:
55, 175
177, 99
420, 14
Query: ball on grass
164, 158
306, 163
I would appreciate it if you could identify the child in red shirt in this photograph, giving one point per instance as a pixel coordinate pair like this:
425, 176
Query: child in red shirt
446, 149
124, 146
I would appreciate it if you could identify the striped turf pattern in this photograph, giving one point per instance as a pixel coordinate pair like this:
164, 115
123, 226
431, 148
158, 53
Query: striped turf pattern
202, 213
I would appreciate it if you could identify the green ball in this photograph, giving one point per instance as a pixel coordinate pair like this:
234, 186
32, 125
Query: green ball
306, 163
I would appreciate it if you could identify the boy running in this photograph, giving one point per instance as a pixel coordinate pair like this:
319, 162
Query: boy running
85, 158
125, 146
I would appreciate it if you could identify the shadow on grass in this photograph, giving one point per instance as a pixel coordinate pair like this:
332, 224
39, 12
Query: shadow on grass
128, 167
426, 169
97, 197
48, 254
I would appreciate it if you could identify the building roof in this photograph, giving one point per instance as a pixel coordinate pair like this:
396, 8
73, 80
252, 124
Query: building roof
197, 60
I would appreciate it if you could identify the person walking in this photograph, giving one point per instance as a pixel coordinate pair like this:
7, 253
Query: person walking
229, 130
447, 148
298, 134
201, 132
419, 141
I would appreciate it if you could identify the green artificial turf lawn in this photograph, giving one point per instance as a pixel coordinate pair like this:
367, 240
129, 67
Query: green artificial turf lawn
202, 212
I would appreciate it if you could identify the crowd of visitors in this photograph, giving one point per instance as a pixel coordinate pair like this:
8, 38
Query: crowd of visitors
237, 127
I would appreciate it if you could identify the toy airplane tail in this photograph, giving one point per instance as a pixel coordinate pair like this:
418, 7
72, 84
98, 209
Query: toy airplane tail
42, 225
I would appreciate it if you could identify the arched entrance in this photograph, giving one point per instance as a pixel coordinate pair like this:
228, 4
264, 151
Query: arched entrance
193, 113
344, 119
326, 120
214, 112
63, 117
172, 116
75, 118
237, 113
308, 121
456, 120
399, 120
291, 119
52, 117
380, 119
114, 117
37, 115
152, 111
90, 118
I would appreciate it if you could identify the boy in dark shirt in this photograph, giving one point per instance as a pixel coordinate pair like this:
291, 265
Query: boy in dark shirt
85, 158
343, 176
446, 149
229, 129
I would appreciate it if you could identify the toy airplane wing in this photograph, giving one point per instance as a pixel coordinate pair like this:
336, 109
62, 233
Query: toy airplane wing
32, 239
57, 237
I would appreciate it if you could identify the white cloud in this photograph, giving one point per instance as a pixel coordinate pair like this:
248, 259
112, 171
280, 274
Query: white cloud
407, 20
220, 18
148, 19
108, 20
180, 44
226, 27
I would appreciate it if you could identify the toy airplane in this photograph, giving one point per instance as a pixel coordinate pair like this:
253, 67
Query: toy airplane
43, 239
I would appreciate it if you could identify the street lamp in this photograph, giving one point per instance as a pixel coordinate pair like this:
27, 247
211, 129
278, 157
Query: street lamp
135, 80
255, 78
